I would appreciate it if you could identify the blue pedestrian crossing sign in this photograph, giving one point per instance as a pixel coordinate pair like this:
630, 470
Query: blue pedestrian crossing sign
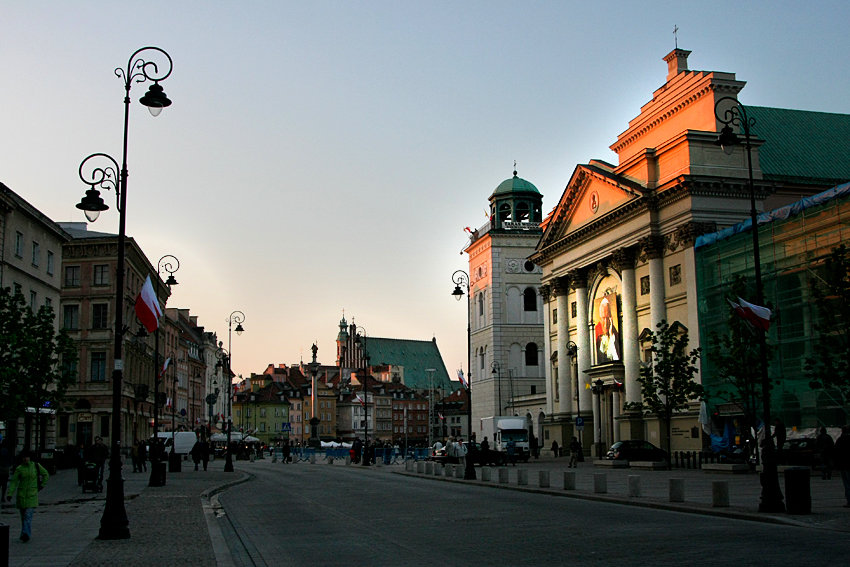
286, 427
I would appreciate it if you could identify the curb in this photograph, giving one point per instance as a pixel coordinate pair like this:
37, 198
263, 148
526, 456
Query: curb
656, 505
212, 509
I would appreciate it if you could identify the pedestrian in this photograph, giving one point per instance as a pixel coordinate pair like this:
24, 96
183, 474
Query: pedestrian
779, 434
27, 480
98, 454
5, 466
841, 458
286, 451
532, 445
134, 456
485, 445
575, 450
824, 445
358, 447
555, 448
511, 450
461, 451
205, 453
195, 452
143, 456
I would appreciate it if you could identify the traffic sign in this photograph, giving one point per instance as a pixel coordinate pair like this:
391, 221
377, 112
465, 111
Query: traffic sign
579, 422
286, 427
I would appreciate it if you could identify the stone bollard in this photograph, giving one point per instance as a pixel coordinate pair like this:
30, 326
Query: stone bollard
408, 466
459, 471
634, 486
448, 470
543, 481
720, 494
438, 470
677, 490
600, 483
330, 460
348, 459
503, 476
313, 459
429, 468
569, 480
420, 467
522, 476
485, 474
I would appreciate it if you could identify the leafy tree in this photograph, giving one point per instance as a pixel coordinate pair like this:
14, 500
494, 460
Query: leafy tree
667, 384
830, 365
34, 359
735, 356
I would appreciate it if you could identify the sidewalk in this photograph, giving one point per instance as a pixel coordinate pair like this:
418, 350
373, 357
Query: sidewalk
167, 524
744, 490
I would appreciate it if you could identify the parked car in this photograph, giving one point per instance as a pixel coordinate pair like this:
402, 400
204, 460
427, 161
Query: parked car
635, 450
488, 457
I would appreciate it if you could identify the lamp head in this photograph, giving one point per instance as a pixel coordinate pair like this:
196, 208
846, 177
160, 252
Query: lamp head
457, 293
727, 140
171, 281
92, 204
239, 329
155, 99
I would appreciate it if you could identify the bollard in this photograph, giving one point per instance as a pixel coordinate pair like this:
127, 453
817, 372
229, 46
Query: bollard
485, 473
330, 460
600, 483
569, 480
677, 490
448, 471
543, 481
798, 491
313, 459
348, 459
720, 494
522, 476
459, 471
420, 467
408, 466
429, 468
634, 486
503, 476
438, 469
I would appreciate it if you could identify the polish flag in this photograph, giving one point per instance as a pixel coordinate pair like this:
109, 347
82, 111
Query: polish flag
460, 377
359, 399
147, 307
441, 416
164, 367
757, 316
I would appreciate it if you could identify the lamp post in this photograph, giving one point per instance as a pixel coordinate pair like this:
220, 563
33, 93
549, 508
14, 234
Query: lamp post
360, 339
314, 440
236, 317
497, 369
736, 115
114, 523
572, 351
462, 278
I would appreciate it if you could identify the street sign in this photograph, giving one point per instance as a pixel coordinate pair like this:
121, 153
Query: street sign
579, 422
286, 427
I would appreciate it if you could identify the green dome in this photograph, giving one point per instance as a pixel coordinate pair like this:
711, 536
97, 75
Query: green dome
515, 185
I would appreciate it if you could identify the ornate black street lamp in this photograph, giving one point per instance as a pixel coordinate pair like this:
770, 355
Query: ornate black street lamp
114, 523
168, 264
360, 339
462, 278
736, 115
236, 317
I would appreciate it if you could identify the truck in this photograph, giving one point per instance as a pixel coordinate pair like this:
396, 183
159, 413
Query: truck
500, 429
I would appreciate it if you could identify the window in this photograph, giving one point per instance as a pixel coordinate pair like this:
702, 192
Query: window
262, 412
554, 316
104, 426
36, 254
99, 315
101, 275
481, 305
239, 413
33, 300
69, 369
48, 302
531, 354
529, 299
98, 367
262, 426
50, 262
72, 317
249, 412
644, 285
19, 245
72, 276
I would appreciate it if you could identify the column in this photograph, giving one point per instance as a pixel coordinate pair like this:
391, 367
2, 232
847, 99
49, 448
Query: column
624, 261
546, 293
615, 414
578, 281
565, 385
652, 248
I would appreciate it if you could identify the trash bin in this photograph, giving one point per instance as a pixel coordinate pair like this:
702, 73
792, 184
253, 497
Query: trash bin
174, 462
159, 474
47, 460
798, 492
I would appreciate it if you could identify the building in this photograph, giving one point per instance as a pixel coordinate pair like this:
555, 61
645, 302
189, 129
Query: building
617, 251
451, 417
30, 262
410, 412
266, 409
508, 351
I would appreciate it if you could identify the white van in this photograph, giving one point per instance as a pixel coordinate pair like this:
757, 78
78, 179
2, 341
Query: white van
183, 441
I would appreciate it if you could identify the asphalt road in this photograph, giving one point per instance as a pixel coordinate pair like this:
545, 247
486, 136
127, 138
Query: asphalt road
321, 515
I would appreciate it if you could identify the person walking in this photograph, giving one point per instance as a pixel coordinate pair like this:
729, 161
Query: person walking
532, 445
27, 480
205, 453
134, 456
485, 445
555, 449
511, 450
841, 458
824, 445
142, 452
575, 450
196, 453
779, 434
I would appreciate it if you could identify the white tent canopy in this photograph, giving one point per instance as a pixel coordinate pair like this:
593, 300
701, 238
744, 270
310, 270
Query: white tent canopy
235, 436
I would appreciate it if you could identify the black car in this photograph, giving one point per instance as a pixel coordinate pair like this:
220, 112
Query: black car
479, 457
636, 451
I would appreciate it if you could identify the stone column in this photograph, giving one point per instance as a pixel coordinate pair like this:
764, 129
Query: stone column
545, 292
578, 281
615, 413
686, 236
652, 249
624, 262
565, 398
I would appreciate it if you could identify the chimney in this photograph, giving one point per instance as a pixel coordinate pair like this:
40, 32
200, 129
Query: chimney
677, 62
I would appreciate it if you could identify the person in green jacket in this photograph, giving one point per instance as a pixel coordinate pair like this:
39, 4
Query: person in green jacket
25, 485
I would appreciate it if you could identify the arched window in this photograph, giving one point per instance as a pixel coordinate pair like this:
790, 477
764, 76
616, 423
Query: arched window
529, 299
481, 305
531, 354
522, 211
481, 359
504, 212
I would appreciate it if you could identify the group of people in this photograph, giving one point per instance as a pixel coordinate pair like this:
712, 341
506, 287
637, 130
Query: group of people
835, 453
576, 455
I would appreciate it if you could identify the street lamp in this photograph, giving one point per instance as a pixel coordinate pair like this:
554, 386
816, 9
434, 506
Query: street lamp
314, 440
572, 351
114, 523
736, 115
462, 278
168, 264
360, 339
236, 317
497, 369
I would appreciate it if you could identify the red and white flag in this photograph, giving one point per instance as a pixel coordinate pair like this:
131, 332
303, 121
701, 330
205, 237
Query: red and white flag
147, 307
460, 377
359, 399
168, 403
441, 416
757, 316
164, 367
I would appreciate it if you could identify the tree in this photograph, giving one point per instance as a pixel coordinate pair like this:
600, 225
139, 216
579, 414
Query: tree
830, 365
735, 356
35, 361
667, 383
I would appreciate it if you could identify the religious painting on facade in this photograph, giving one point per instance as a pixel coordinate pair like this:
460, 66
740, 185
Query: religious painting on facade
606, 330
594, 202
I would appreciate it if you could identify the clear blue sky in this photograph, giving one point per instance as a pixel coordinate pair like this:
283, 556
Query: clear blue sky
322, 156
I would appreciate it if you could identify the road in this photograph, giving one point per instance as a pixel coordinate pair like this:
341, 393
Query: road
334, 515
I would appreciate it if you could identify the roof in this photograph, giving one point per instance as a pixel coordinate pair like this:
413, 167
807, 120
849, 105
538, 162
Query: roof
25, 206
802, 146
414, 356
514, 185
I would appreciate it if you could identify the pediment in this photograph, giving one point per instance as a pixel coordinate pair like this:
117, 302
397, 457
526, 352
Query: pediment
591, 195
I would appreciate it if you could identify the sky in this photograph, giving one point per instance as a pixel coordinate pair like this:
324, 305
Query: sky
326, 156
